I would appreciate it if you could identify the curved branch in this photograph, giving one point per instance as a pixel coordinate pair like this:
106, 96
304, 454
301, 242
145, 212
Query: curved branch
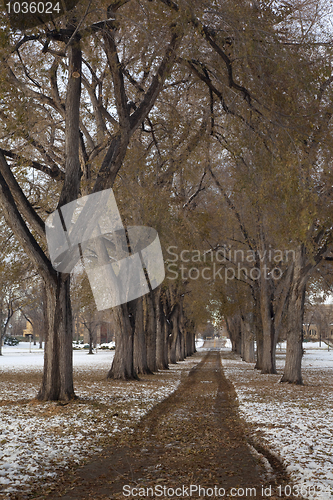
233, 208
22, 201
22, 233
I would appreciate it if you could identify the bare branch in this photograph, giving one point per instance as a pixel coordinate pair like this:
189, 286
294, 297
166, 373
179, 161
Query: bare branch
195, 194
233, 208
22, 233
22, 201
118, 81
54, 172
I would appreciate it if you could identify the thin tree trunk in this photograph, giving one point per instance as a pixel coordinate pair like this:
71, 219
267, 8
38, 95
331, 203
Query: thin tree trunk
91, 340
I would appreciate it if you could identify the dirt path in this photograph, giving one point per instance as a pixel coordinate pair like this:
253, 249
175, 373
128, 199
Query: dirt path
194, 437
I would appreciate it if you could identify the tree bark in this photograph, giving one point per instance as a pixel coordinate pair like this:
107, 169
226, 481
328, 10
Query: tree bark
140, 348
180, 354
295, 314
150, 330
267, 317
122, 366
257, 326
161, 332
266, 309
57, 381
235, 334
174, 335
248, 341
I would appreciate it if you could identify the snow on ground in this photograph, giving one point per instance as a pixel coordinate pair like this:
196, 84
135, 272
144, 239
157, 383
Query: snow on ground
199, 343
295, 422
37, 439
228, 344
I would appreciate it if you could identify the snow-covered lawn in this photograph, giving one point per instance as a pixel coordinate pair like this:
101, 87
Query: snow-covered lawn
294, 421
37, 439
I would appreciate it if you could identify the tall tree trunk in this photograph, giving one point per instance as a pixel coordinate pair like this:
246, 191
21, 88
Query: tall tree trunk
139, 348
180, 345
190, 338
58, 366
293, 366
151, 331
161, 332
193, 348
122, 367
266, 310
268, 360
295, 314
234, 331
257, 327
260, 350
182, 335
248, 341
58, 353
174, 335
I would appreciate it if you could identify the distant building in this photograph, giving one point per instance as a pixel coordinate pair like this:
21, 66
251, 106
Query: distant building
318, 322
313, 332
28, 330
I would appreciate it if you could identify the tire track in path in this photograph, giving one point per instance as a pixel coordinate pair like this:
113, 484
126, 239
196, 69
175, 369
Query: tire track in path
193, 437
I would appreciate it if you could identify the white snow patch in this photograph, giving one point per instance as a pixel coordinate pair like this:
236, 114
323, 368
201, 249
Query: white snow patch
294, 421
36, 439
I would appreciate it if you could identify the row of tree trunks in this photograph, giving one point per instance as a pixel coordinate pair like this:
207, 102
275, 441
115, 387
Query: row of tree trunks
151, 333
278, 313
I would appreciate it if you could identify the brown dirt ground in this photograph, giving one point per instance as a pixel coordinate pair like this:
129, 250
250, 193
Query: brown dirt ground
194, 437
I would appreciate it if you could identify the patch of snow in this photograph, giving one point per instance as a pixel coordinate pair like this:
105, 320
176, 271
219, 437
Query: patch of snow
36, 439
199, 343
228, 344
294, 421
